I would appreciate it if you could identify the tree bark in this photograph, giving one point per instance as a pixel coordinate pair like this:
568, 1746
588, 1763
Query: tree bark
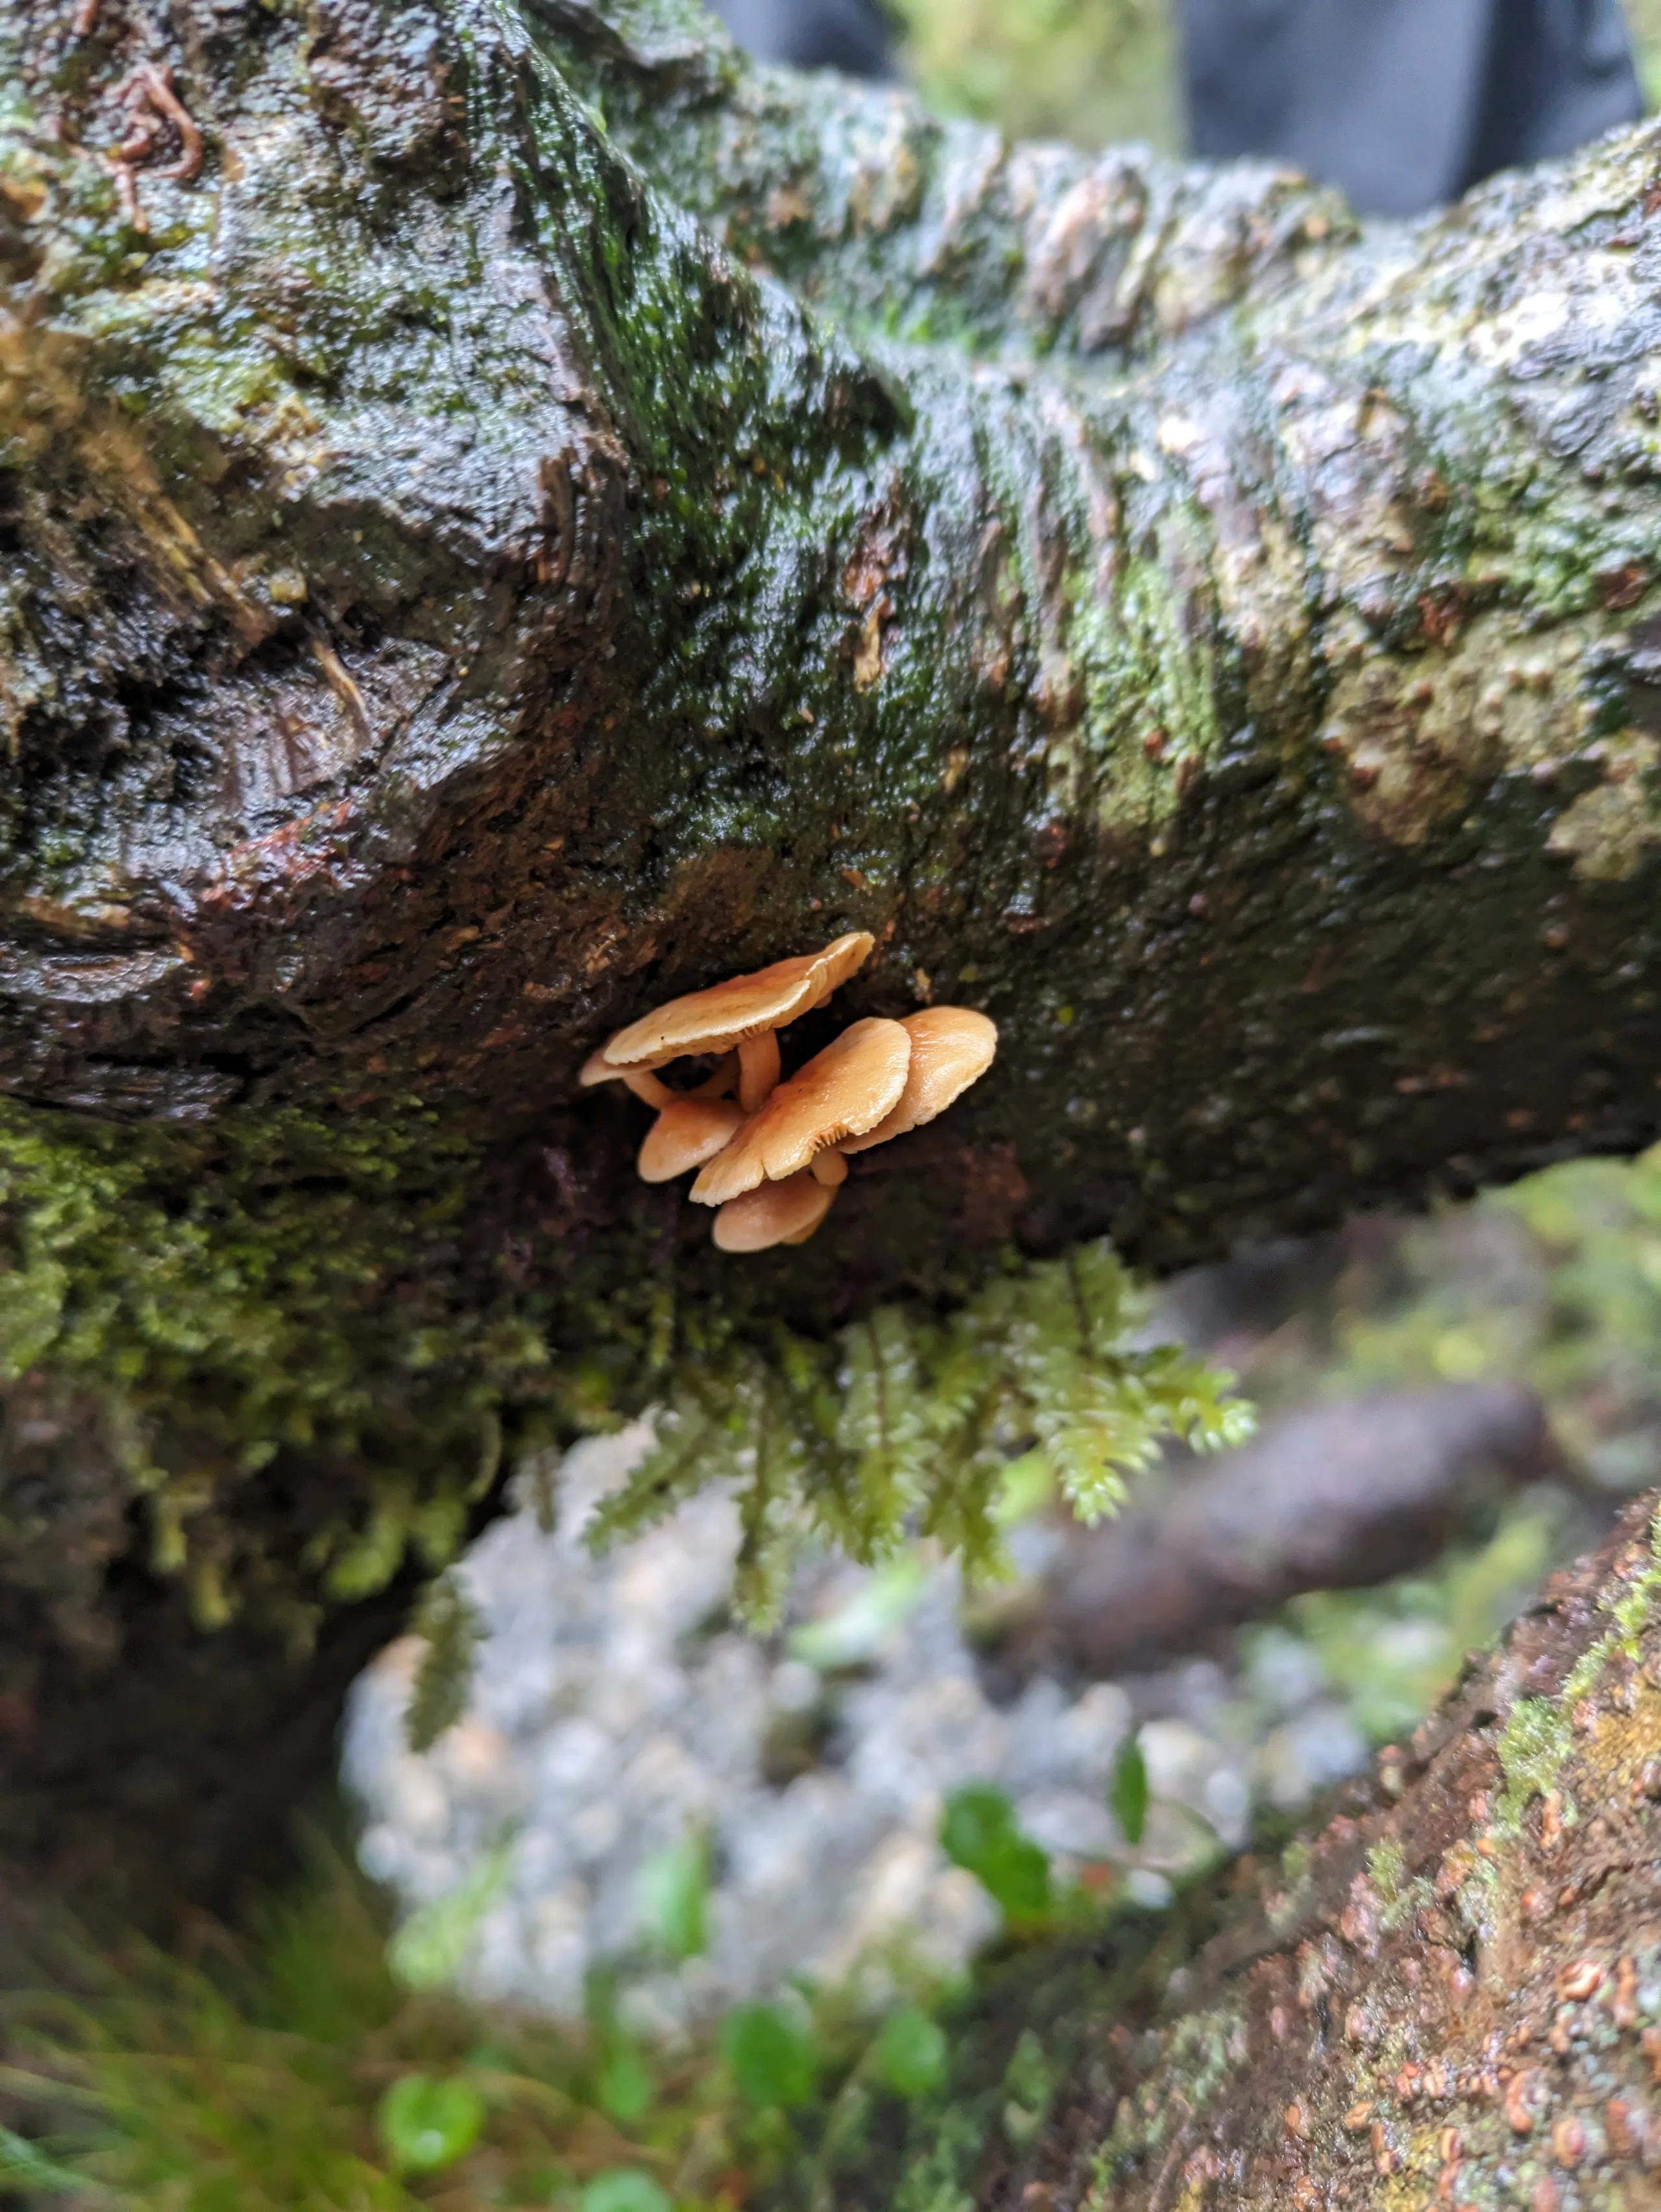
541, 516
1451, 1995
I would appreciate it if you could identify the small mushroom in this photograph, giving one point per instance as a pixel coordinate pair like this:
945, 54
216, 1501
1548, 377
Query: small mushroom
744, 1011
951, 1046
785, 1213
842, 1091
644, 1084
687, 1132
829, 1168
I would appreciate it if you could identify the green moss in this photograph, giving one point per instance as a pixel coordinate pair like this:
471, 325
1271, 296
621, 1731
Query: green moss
1400, 1895
290, 1288
941, 2178
1203, 2049
271, 1290
451, 1628
910, 1420
1533, 1746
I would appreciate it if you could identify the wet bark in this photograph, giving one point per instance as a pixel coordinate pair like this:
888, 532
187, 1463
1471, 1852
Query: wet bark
528, 516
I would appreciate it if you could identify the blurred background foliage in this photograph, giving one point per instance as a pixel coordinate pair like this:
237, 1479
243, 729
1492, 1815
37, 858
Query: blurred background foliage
1095, 71
1645, 16
1098, 72
1554, 1282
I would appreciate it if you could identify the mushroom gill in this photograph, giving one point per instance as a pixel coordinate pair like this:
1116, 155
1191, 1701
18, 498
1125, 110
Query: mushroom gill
842, 1091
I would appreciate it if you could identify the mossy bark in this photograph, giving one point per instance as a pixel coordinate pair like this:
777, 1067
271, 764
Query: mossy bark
549, 516
1450, 1996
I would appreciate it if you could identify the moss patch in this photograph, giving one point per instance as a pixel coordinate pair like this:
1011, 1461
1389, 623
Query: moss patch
292, 1287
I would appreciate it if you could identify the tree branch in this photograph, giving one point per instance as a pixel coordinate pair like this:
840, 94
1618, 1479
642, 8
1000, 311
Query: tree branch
452, 601
1451, 1995
1448, 1993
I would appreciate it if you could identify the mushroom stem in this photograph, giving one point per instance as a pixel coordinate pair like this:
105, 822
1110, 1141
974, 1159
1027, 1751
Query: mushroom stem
720, 1081
646, 1086
759, 1070
829, 1168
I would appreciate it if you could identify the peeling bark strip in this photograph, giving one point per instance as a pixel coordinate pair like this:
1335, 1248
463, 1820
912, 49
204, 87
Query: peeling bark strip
452, 597
1453, 1996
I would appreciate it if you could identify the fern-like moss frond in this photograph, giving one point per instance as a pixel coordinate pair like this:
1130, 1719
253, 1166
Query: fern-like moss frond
910, 1424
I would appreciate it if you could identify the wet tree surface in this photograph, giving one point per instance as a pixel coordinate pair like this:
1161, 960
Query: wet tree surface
1449, 1995
507, 515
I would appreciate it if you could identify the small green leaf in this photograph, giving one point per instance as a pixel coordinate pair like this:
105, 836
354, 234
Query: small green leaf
857, 1630
979, 1832
911, 2052
625, 2087
674, 1897
625, 2189
771, 2057
432, 1947
1127, 1793
426, 2124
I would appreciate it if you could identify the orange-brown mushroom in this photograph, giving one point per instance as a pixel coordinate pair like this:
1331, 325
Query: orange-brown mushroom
744, 1012
687, 1132
759, 1070
951, 1046
640, 1080
841, 1092
785, 1213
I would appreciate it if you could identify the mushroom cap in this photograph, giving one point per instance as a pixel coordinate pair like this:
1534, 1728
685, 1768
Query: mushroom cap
727, 1013
687, 1132
951, 1046
842, 1091
785, 1213
640, 1080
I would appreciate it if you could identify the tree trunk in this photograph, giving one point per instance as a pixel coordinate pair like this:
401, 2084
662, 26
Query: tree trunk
1451, 1996
453, 600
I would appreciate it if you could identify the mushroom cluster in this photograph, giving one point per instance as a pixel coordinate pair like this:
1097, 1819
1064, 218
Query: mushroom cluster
772, 1157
